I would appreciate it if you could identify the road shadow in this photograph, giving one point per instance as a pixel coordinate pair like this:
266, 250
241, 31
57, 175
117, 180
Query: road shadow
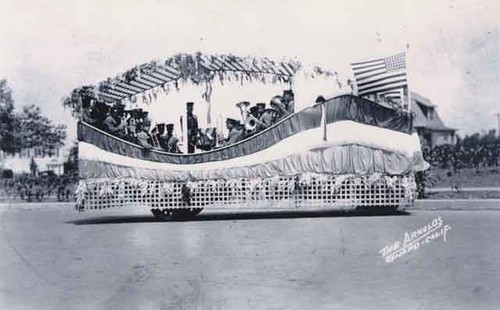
232, 216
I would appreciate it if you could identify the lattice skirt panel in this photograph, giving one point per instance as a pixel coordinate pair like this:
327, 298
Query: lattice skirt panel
312, 190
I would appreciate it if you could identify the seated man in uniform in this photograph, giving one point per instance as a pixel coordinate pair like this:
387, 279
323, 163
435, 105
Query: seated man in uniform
114, 123
98, 113
265, 117
143, 135
132, 122
279, 106
87, 107
252, 123
235, 134
159, 132
289, 101
261, 107
254, 111
171, 140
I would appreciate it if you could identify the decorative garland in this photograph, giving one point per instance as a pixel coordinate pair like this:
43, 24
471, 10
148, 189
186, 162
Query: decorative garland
199, 69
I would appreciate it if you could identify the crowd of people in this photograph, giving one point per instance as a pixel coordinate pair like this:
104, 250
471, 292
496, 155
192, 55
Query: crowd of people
135, 126
458, 156
38, 188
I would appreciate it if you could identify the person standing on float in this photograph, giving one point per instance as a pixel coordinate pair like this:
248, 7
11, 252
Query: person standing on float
191, 128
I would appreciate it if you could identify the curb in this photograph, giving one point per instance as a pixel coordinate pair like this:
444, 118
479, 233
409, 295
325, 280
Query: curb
456, 204
464, 189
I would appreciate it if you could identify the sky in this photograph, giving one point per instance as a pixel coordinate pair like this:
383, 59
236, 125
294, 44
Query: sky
48, 48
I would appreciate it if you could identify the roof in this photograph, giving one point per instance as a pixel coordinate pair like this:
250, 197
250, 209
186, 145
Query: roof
421, 99
435, 123
148, 79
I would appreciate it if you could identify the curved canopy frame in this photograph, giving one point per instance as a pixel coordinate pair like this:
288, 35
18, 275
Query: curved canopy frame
149, 78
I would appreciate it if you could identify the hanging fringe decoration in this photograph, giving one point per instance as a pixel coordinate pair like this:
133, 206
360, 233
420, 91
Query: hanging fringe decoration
197, 68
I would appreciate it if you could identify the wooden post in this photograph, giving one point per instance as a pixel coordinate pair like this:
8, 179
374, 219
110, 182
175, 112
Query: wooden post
184, 137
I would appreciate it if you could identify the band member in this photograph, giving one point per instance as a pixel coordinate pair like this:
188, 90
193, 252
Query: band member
267, 117
114, 124
261, 107
235, 134
143, 135
159, 133
132, 124
254, 111
87, 107
171, 140
289, 100
98, 113
279, 106
192, 127
206, 139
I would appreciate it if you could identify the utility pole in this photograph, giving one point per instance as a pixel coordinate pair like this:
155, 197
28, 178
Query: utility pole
498, 123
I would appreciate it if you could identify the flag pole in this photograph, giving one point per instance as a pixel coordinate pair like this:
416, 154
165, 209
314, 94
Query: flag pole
407, 78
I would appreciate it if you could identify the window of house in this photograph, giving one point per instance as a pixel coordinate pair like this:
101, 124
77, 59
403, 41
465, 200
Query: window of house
25, 153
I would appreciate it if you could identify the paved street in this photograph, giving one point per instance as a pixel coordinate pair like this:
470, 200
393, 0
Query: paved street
55, 258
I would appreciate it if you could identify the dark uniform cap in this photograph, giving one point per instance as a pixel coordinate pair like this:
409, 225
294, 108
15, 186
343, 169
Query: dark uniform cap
135, 112
261, 105
102, 107
231, 120
118, 107
170, 126
276, 100
189, 104
160, 126
288, 92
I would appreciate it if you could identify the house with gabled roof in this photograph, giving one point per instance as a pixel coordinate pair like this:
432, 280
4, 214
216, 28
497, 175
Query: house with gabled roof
428, 124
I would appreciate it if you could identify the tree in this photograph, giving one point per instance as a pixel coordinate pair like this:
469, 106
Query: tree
34, 129
26, 129
471, 141
489, 138
7, 119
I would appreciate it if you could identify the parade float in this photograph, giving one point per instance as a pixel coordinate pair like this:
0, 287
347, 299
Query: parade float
345, 152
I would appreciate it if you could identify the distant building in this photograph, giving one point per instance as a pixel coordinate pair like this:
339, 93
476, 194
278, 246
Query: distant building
44, 160
428, 124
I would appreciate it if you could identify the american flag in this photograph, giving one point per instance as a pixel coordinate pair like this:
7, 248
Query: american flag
385, 76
